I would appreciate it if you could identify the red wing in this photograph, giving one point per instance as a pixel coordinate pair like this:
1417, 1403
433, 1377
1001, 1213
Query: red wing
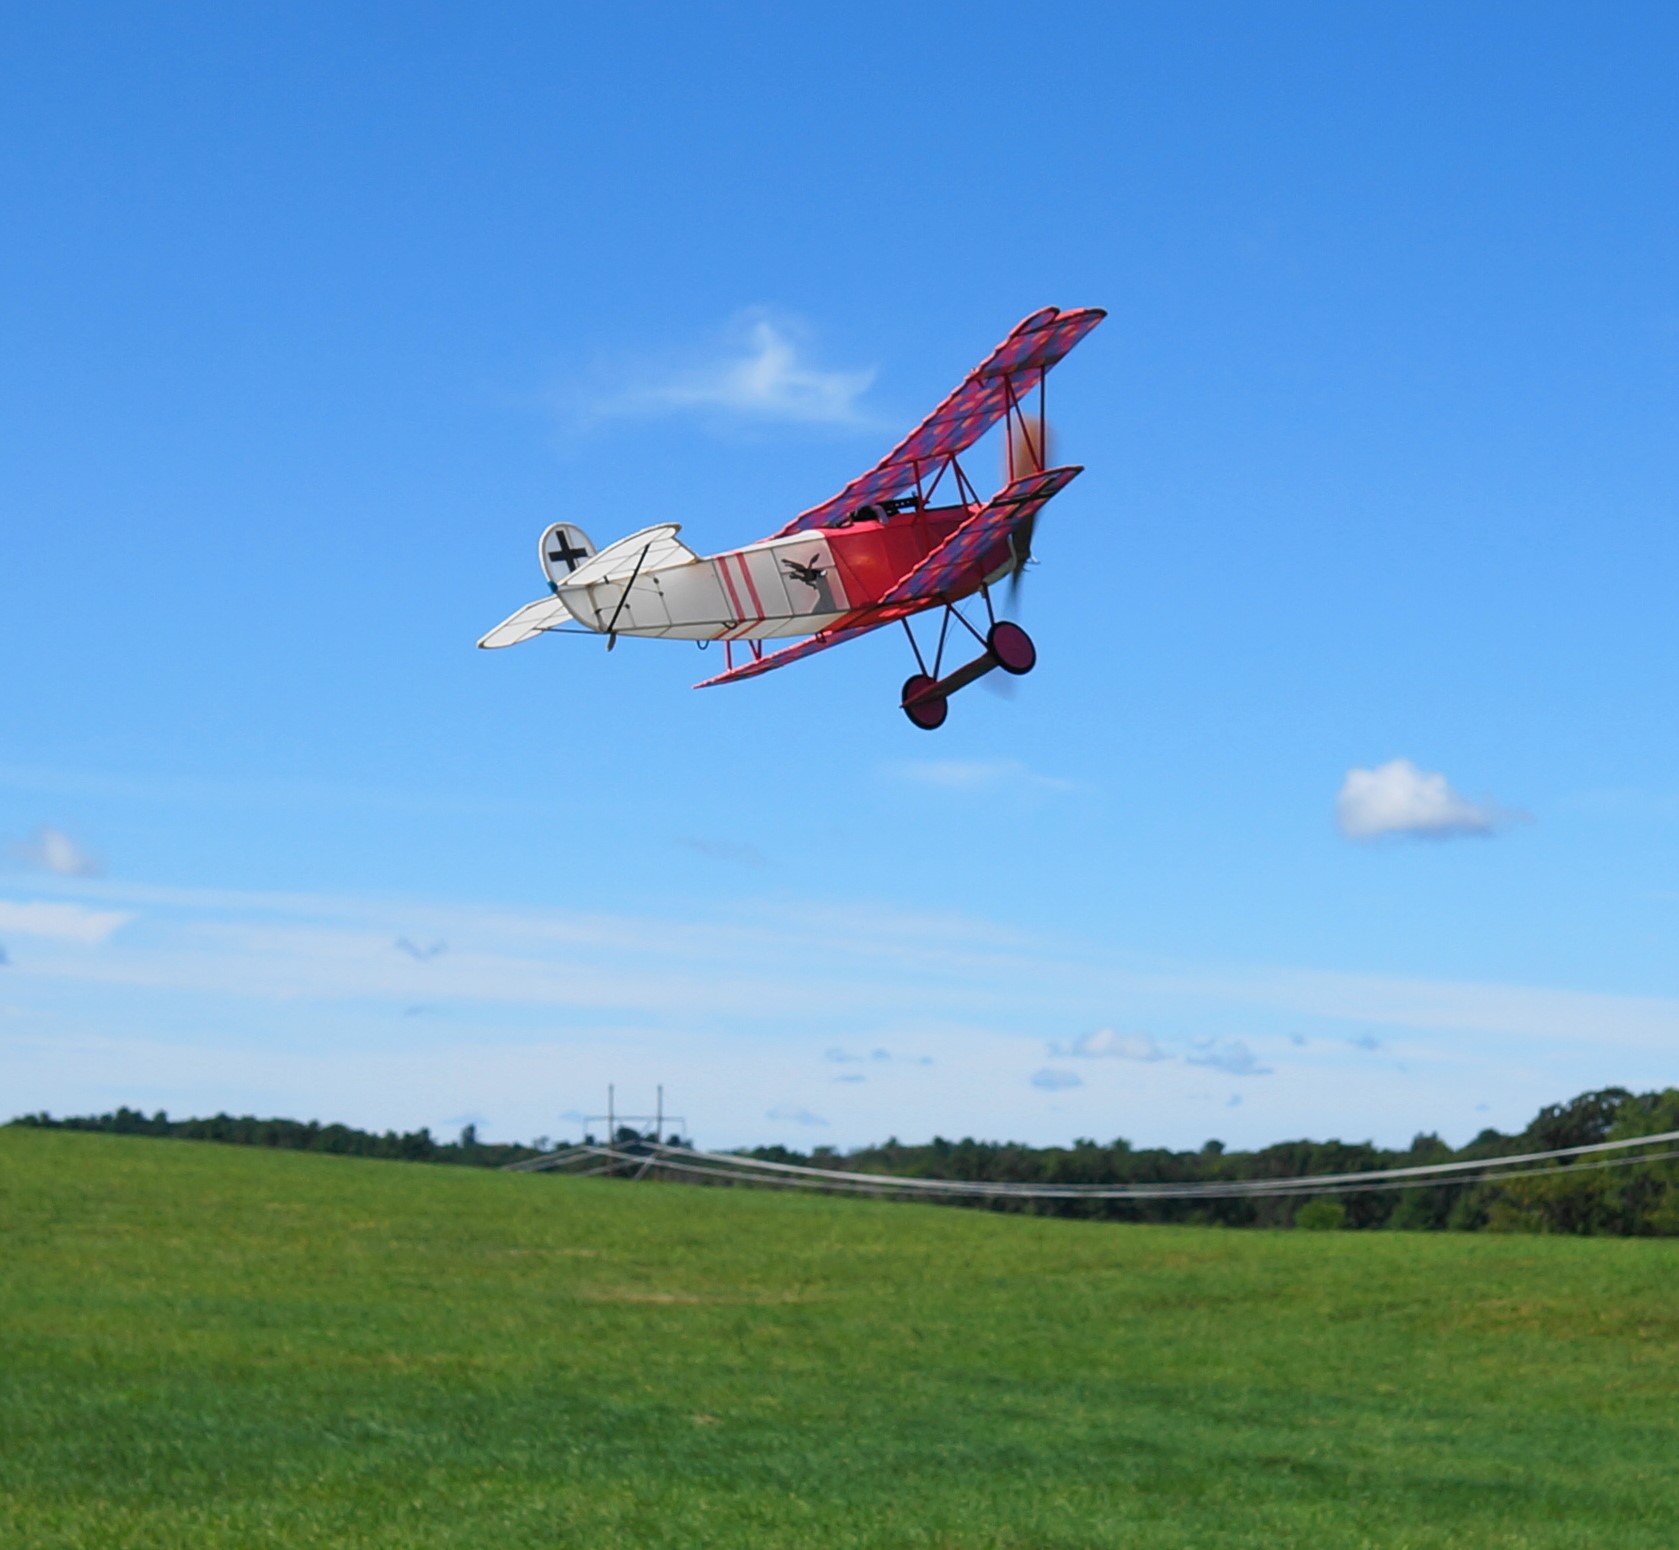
983, 398
954, 569
959, 564
804, 648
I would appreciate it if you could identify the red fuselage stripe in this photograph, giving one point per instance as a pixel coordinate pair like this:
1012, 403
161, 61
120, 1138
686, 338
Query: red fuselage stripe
751, 585
729, 582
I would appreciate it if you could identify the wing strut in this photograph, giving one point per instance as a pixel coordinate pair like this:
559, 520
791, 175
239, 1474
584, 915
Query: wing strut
624, 597
982, 398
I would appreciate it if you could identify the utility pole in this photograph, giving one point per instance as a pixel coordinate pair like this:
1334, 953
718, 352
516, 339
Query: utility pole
637, 1122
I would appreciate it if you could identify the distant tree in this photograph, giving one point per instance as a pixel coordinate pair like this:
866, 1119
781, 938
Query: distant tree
1322, 1214
1579, 1122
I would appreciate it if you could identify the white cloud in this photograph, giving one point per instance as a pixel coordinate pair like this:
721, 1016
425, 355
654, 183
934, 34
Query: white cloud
60, 922
1230, 1055
52, 850
1054, 1081
1399, 798
763, 375
979, 775
1104, 1043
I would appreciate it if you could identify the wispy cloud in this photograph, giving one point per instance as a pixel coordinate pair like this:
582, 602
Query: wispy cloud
60, 922
877, 1055
756, 964
52, 850
1105, 1044
1399, 798
795, 1116
979, 775
1053, 1081
288, 1002
762, 372
1230, 1055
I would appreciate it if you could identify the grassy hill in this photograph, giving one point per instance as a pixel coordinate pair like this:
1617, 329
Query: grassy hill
204, 1345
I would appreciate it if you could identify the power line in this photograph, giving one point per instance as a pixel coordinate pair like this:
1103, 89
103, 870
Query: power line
657, 1158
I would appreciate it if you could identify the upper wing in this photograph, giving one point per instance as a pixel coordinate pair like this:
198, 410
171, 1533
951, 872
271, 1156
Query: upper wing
983, 398
959, 564
805, 648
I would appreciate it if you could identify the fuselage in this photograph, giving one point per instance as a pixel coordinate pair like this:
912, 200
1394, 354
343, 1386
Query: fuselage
789, 586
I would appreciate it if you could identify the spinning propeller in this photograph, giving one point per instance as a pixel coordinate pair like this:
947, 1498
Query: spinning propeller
1025, 453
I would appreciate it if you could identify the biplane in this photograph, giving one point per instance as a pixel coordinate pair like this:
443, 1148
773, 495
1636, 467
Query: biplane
881, 551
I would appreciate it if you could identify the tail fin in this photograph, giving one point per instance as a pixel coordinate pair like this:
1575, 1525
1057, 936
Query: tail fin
562, 550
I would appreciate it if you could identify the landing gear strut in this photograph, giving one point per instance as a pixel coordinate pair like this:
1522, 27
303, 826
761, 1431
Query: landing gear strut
925, 698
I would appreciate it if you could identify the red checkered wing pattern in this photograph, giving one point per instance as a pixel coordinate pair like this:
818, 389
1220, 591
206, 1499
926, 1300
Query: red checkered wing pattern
962, 561
953, 570
804, 648
1005, 376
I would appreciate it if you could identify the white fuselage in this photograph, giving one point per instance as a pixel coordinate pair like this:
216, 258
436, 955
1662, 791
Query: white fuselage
650, 584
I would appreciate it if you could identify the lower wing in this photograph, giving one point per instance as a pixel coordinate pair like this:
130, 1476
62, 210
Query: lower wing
805, 648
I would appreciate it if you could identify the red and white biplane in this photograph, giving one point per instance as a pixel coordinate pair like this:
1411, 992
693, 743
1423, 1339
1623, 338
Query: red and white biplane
878, 552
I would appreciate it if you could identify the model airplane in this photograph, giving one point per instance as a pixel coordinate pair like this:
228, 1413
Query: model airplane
878, 552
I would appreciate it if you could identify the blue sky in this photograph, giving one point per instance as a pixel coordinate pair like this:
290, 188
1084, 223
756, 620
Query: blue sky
1345, 800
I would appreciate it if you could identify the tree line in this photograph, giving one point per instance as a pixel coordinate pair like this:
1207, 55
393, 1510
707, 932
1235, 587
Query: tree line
1634, 1199
298, 1136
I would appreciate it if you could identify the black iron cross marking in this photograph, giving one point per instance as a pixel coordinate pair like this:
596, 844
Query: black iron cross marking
567, 553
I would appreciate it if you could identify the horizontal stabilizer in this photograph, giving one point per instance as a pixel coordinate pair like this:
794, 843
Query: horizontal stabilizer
546, 613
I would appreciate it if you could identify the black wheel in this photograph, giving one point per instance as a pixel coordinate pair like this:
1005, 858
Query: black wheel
925, 713
1012, 647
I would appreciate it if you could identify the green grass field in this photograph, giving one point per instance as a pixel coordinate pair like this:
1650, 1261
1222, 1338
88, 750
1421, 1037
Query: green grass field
204, 1345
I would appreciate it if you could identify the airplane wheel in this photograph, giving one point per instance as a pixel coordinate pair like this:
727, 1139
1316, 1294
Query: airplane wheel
926, 714
1012, 647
